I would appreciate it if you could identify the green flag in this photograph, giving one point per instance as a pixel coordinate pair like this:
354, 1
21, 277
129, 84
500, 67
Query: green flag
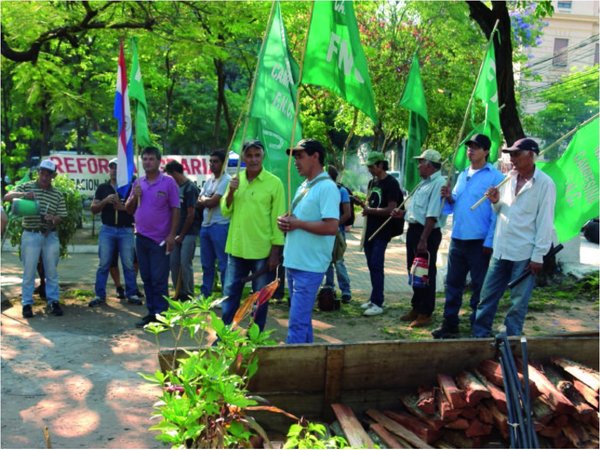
334, 57
413, 99
136, 91
271, 115
487, 92
575, 175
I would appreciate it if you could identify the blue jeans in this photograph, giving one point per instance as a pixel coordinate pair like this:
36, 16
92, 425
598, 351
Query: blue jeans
153, 262
375, 253
110, 240
342, 277
303, 287
212, 248
237, 269
500, 273
464, 256
32, 245
423, 299
182, 265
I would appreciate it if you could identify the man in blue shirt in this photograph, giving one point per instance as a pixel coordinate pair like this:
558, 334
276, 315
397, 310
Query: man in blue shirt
311, 230
472, 233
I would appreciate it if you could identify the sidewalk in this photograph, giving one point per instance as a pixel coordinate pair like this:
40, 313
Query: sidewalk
80, 266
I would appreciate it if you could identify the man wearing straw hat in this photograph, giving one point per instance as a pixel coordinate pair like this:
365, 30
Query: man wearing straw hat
524, 230
425, 220
40, 236
116, 236
384, 196
254, 200
472, 233
311, 228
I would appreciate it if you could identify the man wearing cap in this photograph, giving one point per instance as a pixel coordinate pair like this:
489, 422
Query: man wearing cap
311, 230
384, 195
155, 201
253, 202
40, 236
524, 230
425, 220
472, 233
182, 256
116, 236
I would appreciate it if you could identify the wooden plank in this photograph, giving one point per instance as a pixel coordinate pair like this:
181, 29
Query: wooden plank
426, 402
586, 392
447, 413
452, 392
554, 397
474, 390
354, 431
425, 432
410, 403
334, 366
388, 438
498, 395
584, 374
397, 429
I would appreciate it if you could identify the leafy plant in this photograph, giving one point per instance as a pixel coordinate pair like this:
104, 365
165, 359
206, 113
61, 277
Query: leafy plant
205, 401
312, 435
67, 227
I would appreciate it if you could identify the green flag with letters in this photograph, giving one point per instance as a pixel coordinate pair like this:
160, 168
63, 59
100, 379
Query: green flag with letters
413, 99
575, 175
136, 91
487, 92
334, 57
271, 114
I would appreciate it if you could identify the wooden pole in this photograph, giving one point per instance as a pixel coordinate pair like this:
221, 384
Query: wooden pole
297, 109
558, 141
469, 105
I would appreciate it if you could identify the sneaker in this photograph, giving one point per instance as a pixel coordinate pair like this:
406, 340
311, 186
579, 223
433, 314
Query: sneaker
410, 316
366, 305
373, 310
55, 309
120, 293
445, 332
146, 320
421, 321
134, 300
97, 302
27, 312
346, 298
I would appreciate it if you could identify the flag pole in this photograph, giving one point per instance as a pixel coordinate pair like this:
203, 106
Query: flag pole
469, 105
297, 109
555, 143
250, 97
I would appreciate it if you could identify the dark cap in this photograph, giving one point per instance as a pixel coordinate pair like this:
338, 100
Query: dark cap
250, 144
310, 146
523, 144
480, 140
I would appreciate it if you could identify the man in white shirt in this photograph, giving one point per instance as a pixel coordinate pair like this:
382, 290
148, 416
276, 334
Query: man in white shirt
524, 230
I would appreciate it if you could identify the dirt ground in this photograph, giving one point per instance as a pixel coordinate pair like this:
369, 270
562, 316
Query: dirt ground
79, 374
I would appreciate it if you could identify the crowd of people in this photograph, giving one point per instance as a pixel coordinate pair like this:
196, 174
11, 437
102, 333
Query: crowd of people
248, 234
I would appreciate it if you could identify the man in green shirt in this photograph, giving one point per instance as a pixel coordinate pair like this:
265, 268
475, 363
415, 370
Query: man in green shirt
253, 201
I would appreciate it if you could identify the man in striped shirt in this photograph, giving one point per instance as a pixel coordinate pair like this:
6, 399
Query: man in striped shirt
40, 236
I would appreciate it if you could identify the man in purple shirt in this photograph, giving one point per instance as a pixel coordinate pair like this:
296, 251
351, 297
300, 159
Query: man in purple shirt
155, 201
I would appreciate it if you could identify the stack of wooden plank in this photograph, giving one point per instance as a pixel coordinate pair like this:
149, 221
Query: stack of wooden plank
469, 410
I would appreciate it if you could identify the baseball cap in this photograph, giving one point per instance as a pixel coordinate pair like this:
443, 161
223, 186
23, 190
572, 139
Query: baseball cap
114, 161
480, 140
255, 143
374, 158
310, 146
430, 155
523, 144
47, 165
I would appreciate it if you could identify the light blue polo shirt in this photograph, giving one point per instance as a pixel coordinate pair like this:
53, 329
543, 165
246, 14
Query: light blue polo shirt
307, 251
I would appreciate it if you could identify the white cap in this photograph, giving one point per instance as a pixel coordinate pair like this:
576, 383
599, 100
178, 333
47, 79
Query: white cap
114, 161
48, 165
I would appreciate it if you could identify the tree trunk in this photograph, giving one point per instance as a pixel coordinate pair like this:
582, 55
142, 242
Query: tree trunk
45, 126
486, 18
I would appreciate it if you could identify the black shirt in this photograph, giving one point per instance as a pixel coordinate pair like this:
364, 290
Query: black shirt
108, 212
381, 193
188, 196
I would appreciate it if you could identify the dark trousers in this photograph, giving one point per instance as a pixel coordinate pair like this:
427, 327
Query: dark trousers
153, 262
375, 253
465, 256
423, 299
